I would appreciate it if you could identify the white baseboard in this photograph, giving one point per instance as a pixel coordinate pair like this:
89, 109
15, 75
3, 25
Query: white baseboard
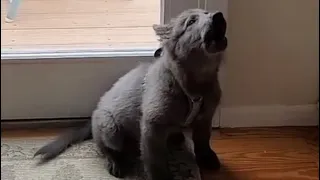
216, 118
275, 115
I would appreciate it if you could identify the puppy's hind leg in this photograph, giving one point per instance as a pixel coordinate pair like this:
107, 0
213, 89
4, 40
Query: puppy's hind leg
176, 138
110, 142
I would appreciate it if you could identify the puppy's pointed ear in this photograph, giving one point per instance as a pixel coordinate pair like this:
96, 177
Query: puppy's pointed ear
163, 31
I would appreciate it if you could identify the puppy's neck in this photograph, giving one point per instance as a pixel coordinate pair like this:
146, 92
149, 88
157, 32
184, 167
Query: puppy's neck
195, 73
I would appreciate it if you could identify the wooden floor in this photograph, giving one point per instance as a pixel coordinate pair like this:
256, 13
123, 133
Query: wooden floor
65, 24
253, 153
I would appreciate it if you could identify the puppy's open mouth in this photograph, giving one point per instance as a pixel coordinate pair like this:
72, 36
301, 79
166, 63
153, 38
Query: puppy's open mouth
216, 46
215, 40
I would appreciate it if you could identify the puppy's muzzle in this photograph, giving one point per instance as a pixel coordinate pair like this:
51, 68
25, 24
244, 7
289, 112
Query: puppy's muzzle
219, 27
217, 32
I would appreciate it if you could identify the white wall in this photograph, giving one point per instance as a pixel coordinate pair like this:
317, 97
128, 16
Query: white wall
272, 65
57, 88
273, 55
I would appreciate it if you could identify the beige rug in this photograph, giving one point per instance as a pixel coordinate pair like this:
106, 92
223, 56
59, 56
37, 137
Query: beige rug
80, 162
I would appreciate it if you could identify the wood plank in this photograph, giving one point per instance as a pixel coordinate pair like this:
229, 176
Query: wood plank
80, 20
83, 6
265, 132
77, 36
31, 133
45, 24
266, 150
265, 153
264, 171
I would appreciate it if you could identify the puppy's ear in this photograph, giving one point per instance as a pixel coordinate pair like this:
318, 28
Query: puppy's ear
163, 31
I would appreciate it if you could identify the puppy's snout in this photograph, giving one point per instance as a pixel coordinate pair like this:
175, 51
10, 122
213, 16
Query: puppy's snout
219, 26
217, 15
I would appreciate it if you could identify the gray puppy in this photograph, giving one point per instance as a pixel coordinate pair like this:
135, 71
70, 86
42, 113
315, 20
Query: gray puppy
154, 102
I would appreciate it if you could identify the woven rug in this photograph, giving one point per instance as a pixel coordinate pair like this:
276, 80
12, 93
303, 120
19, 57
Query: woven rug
80, 162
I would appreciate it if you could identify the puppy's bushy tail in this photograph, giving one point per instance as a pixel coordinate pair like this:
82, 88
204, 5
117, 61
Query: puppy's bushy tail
63, 142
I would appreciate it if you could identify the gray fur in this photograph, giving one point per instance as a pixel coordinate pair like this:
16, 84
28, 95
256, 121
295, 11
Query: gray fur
150, 104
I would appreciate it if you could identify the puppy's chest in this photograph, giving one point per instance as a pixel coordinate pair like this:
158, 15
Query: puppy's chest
207, 87
186, 104
200, 96
195, 104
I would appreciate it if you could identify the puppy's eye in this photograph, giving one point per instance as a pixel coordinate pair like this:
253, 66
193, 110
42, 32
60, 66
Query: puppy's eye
191, 21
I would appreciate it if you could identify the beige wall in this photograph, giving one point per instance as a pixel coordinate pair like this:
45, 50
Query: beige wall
273, 53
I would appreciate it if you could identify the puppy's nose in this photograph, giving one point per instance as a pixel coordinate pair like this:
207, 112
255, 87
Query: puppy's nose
217, 15
219, 25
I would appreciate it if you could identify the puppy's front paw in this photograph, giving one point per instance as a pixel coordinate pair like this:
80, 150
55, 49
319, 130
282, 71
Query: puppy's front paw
115, 168
208, 160
163, 177
159, 174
